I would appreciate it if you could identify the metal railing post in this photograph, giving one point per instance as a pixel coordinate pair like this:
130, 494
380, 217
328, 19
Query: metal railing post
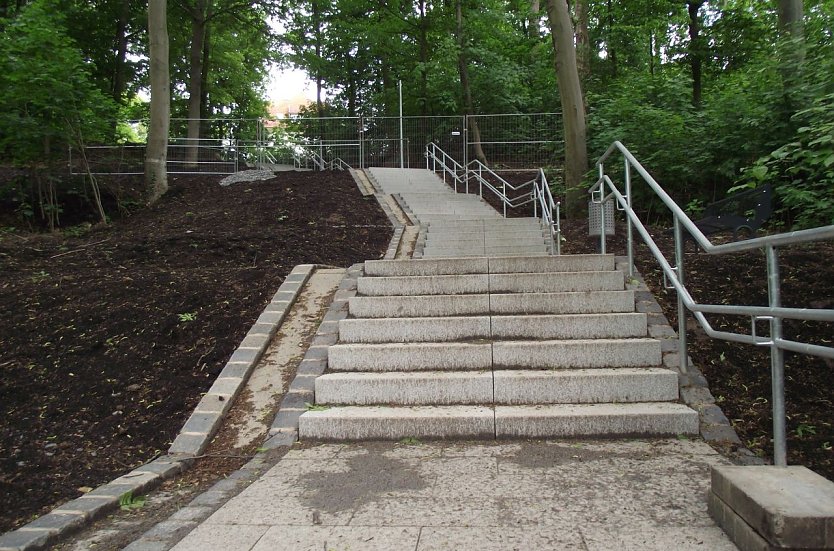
601, 211
777, 361
504, 191
629, 231
683, 354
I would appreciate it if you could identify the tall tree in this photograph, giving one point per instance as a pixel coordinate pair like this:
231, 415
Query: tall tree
573, 111
156, 155
466, 88
696, 50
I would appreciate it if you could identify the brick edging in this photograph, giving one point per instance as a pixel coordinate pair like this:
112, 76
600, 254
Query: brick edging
192, 439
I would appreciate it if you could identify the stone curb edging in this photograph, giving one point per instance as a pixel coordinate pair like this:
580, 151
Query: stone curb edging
284, 429
192, 440
399, 228
207, 417
283, 432
715, 428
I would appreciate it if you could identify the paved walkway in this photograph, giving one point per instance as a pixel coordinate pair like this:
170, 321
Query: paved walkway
534, 494
597, 495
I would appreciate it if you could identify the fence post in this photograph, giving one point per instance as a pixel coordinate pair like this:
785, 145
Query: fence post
629, 231
683, 354
777, 361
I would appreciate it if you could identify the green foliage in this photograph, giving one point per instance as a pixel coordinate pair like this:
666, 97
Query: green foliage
128, 501
48, 98
802, 171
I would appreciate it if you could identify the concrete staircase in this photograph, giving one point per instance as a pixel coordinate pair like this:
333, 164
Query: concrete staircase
533, 346
457, 224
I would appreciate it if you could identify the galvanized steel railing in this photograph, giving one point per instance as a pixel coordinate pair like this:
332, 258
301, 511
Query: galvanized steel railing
605, 190
544, 206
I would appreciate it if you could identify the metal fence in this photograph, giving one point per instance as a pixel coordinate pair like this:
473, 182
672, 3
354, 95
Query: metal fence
508, 141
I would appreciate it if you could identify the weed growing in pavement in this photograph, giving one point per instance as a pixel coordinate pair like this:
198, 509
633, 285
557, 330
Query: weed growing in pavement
128, 501
411, 441
315, 407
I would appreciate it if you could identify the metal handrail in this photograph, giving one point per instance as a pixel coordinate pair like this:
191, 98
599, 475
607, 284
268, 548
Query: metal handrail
540, 194
435, 157
774, 313
551, 219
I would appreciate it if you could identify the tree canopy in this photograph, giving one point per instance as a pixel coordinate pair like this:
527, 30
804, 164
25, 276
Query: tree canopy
710, 95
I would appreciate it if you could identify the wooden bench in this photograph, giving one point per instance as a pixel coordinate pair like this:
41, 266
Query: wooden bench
746, 210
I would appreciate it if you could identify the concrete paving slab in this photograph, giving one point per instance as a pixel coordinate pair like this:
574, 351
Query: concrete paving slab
426, 267
227, 537
639, 494
339, 538
488, 538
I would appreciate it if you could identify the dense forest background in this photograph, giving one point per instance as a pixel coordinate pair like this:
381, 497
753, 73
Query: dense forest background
710, 95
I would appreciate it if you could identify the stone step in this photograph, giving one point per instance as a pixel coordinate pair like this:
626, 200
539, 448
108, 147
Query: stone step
555, 282
465, 421
608, 420
504, 304
414, 329
579, 386
405, 388
409, 357
497, 283
475, 253
625, 385
506, 222
450, 266
455, 328
451, 249
519, 264
589, 302
579, 353
568, 326
423, 285
419, 306
389, 423
497, 238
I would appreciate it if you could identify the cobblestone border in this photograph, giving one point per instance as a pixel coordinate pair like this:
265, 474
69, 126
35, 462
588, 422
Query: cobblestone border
715, 428
192, 439
282, 434
399, 228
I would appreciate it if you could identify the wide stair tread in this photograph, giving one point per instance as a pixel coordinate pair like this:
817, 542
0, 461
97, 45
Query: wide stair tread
515, 346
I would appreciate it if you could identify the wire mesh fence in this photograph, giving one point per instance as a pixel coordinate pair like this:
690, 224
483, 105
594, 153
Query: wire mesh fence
507, 141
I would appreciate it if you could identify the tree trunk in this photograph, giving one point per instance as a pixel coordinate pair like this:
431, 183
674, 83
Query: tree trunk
696, 50
609, 43
423, 42
317, 37
533, 18
205, 114
119, 79
583, 40
792, 53
463, 69
573, 112
195, 79
156, 154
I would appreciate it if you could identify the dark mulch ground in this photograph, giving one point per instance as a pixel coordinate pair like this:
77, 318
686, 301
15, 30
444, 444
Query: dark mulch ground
739, 375
108, 339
